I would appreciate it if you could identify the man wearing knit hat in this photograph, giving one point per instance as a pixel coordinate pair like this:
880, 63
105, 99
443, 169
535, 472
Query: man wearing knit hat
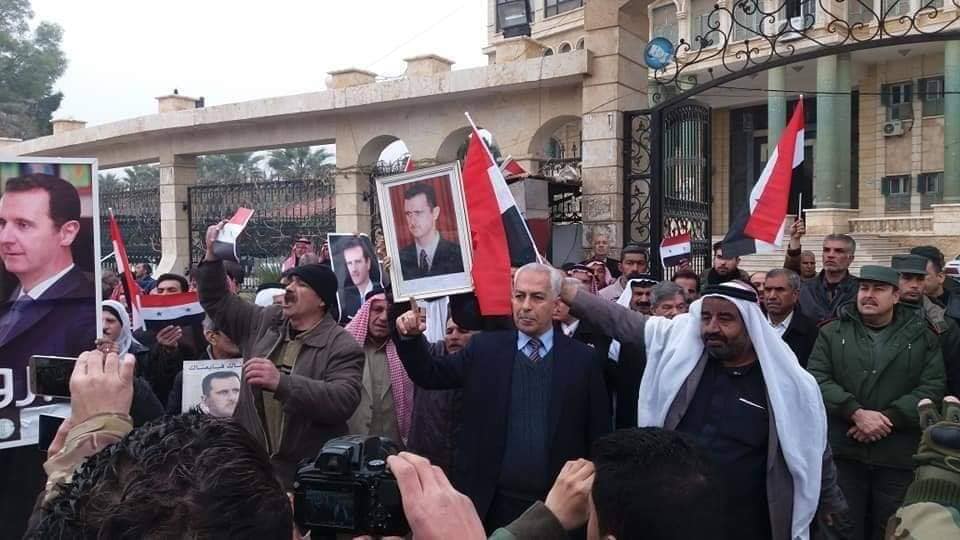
874, 363
302, 372
913, 278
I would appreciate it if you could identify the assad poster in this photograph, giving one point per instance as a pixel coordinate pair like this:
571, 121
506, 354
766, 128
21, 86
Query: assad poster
49, 280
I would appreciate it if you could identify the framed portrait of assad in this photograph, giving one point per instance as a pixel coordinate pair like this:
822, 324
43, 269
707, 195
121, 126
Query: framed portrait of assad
49, 279
355, 263
426, 232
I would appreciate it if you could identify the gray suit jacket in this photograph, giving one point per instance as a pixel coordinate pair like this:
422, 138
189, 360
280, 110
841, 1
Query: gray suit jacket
627, 326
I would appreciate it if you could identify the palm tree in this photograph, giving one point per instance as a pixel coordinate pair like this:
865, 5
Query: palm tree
142, 176
299, 163
236, 168
111, 182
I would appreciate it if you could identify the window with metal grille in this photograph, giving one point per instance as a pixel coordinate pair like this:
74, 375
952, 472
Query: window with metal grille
746, 19
556, 7
664, 23
896, 191
894, 8
701, 33
931, 95
930, 188
898, 99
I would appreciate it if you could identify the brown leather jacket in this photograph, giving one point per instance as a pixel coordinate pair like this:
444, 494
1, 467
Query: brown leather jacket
318, 396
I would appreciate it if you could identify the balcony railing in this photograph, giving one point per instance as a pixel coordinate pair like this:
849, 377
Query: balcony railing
896, 225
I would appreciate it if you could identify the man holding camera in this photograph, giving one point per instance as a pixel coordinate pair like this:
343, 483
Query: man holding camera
302, 374
533, 399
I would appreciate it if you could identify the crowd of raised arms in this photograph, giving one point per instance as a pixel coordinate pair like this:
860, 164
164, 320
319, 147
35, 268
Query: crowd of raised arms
787, 404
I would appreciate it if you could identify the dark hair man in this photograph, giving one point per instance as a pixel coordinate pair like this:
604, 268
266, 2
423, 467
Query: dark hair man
822, 297
436, 413
782, 291
633, 260
429, 254
874, 364
723, 269
718, 374
168, 353
125, 489
302, 371
50, 310
525, 414
913, 279
144, 274
946, 292
689, 281
171, 283
219, 392
358, 283
666, 300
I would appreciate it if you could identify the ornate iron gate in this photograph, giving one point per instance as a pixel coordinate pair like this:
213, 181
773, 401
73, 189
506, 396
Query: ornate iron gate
667, 179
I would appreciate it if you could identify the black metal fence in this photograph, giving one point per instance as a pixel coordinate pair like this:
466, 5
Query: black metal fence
138, 215
283, 211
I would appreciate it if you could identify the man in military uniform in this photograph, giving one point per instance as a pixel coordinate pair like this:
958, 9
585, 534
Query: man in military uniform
913, 272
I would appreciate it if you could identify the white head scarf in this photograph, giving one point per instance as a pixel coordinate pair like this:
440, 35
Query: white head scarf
675, 346
625, 297
265, 297
125, 340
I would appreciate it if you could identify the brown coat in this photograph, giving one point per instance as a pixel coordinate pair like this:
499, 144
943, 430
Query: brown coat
318, 396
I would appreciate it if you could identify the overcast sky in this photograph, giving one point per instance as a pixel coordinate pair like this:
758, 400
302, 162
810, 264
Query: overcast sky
124, 53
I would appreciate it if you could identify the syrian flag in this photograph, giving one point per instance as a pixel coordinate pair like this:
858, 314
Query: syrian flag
674, 250
500, 235
225, 246
131, 289
760, 228
511, 169
161, 310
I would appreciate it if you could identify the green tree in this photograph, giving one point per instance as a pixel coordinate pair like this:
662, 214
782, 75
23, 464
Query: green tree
30, 64
142, 176
299, 163
111, 182
237, 168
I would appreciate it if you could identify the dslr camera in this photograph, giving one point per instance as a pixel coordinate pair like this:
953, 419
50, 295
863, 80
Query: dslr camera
347, 489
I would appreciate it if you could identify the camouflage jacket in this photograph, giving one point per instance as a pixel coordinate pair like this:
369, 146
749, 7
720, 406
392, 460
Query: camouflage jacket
83, 441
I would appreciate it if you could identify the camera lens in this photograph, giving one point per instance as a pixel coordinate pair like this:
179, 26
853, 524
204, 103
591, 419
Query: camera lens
376, 465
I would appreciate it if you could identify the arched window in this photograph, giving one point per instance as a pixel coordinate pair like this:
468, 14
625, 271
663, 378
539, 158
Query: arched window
554, 149
548, 52
564, 48
580, 44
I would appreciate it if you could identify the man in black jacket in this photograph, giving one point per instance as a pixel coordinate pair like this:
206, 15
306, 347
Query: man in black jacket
781, 290
533, 399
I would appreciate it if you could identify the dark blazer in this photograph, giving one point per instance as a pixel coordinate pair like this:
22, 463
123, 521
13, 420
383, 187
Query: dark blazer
578, 412
350, 303
62, 322
800, 336
446, 260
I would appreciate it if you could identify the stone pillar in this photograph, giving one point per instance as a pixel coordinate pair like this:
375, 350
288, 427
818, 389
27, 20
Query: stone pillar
951, 122
177, 173
617, 83
842, 126
946, 217
824, 183
776, 105
352, 195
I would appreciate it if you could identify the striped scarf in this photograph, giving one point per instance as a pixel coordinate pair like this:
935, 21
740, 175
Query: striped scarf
401, 387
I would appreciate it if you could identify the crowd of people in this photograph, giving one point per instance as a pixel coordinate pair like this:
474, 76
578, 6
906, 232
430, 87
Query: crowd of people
784, 404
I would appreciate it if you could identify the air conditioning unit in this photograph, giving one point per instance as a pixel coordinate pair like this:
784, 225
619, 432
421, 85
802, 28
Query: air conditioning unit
787, 28
893, 128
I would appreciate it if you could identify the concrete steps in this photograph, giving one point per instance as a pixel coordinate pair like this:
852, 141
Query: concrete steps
871, 249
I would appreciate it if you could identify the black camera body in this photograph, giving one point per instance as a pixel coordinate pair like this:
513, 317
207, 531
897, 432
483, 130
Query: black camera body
347, 489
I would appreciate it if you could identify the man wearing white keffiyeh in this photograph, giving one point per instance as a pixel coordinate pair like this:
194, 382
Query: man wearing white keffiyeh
720, 374
386, 394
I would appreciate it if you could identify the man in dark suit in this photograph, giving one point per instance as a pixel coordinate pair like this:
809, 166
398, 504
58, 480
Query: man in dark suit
359, 280
781, 291
430, 254
532, 399
50, 309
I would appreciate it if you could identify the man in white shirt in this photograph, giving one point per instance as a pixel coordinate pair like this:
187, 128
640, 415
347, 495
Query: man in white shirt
781, 292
